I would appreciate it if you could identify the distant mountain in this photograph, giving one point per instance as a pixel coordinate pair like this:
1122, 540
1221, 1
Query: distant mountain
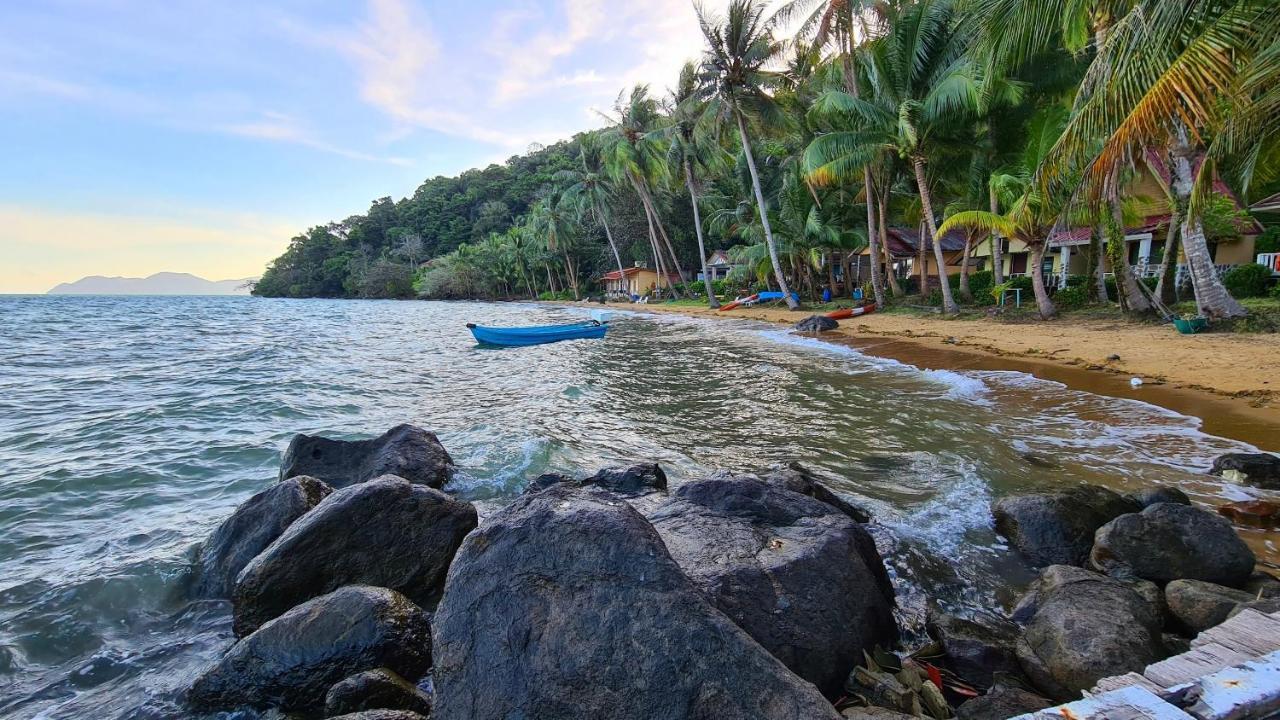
165, 283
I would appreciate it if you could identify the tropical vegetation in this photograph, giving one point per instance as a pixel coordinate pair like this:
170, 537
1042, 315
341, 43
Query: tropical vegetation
805, 137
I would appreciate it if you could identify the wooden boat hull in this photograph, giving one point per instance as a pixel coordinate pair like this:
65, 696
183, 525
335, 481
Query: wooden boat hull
537, 335
847, 313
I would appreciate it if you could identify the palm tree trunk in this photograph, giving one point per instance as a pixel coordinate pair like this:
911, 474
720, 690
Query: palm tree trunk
1097, 271
572, 273
846, 268
1135, 300
1043, 303
662, 233
831, 274
851, 84
948, 302
884, 248
657, 256
1212, 297
922, 275
965, 292
608, 233
764, 214
712, 302
997, 243
1165, 286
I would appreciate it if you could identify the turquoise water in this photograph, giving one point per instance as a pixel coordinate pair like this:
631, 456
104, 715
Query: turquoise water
129, 427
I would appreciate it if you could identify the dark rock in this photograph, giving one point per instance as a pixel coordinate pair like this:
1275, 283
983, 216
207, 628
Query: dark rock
1171, 542
1150, 592
404, 451
795, 573
567, 604
1057, 528
873, 713
975, 650
380, 715
1200, 605
546, 480
1083, 627
1262, 585
797, 478
631, 481
1175, 644
379, 689
385, 532
1267, 606
1259, 469
1003, 701
293, 660
816, 324
1254, 513
250, 529
1159, 494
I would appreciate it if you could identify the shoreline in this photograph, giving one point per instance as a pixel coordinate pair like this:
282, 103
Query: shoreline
1236, 402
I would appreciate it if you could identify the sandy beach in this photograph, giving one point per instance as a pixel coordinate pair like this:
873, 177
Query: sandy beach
1228, 380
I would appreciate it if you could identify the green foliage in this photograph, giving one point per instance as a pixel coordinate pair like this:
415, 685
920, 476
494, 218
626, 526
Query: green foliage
1268, 241
1071, 297
980, 284
1275, 291
1246, 281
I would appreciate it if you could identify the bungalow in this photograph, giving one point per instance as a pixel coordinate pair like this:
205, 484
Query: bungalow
903, 245
719, 265
634, 282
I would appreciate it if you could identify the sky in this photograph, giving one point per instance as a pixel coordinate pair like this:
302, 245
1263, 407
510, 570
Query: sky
199, 136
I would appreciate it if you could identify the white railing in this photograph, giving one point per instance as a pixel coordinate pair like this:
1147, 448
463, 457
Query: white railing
1271, 260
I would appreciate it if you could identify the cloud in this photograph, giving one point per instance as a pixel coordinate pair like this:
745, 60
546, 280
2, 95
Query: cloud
278, 127
43, 247
528, 63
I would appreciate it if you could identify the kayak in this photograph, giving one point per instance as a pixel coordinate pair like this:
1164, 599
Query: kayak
736, 303
537, 334
851, 312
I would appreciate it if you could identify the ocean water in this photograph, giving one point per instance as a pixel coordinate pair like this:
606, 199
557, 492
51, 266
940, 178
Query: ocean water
130, 427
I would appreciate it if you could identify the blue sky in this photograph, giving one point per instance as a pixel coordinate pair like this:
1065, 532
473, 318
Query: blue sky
199, 136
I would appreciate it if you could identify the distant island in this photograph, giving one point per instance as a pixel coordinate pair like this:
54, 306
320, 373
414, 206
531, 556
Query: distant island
163, 283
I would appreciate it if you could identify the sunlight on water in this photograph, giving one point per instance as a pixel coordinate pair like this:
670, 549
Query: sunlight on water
129, 427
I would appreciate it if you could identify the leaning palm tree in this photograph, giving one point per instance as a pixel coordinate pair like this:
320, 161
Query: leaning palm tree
690, 147
555, 228
589, 191
734, 83
923, 89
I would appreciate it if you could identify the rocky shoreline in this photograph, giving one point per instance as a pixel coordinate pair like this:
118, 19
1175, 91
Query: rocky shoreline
361, 590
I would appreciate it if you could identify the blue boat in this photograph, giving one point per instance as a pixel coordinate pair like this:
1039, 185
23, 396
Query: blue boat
537, 335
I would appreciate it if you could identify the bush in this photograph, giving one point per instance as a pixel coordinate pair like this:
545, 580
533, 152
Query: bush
1247, 280
980, 284
1071, 298
1275, 291
1269, 241
1074, 281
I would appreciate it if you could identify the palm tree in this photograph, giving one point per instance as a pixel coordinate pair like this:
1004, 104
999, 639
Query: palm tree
733, 83
922, 87
588, 190
691, 147
555, 228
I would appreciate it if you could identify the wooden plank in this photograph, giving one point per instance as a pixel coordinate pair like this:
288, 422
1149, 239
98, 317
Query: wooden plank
1130, 703
1249, 632
1123, 681
1250, 691
1197, 663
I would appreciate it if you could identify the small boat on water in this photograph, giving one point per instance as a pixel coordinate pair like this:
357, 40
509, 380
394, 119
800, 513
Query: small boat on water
537, 334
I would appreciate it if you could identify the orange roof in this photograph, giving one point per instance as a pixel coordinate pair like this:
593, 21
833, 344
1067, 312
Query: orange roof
615, 275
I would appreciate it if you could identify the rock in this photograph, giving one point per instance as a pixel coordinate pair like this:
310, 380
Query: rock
380, 715
797, 478
385, 532
1171, 542
1200, 605
816, 324
1003, 701
1254, 513
1262, 585
1150, 592
631, 481
1175, 644
250, 529
797, 574
1083, 627
404, 451
976, 649
1257, 469
1057, 528
379, 689
293, 660
546, 480
1159, 494
567, 604
1266, 606
873, 713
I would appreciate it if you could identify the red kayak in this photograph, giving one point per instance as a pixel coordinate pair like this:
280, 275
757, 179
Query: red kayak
736, 303
851, 312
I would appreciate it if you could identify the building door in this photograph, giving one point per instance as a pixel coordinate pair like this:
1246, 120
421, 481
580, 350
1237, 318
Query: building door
1018, 264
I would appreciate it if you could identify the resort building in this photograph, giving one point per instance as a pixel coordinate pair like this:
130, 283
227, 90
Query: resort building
904, 251
719, 265
634, 282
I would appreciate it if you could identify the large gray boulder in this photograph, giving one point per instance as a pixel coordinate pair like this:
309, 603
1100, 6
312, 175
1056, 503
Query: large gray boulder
1257, 469
797, 478
1168, 542
1002, 702
250, 529
1147, 497
1082, 627
976, 649
816, 324
386, 532
1057, 528
797, 574
1200, 605
567, 604
404, 451
379, 689
292, 661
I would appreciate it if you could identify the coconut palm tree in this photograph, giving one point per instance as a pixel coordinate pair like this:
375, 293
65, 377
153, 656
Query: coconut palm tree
922, 89
556, 229
691, 148
588, 190
734, 83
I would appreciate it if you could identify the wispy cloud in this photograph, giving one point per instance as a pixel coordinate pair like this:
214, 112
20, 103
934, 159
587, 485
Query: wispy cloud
279, 127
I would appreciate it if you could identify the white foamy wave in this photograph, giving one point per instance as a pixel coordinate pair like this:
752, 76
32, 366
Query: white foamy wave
960, 386
865, 361
942, 523
1017, 380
